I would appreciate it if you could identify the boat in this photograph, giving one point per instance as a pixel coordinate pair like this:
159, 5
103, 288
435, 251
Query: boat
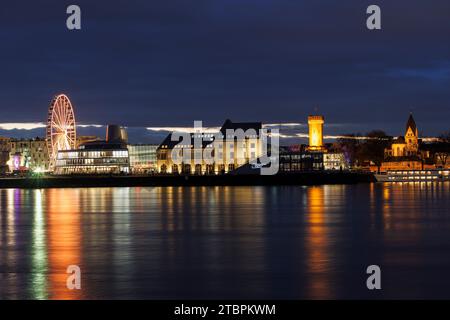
432, 175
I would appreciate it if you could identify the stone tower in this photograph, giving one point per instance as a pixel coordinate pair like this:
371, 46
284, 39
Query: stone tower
315, 124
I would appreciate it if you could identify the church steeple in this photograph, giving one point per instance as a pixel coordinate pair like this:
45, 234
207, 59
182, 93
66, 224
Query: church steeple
411, 124
411, 136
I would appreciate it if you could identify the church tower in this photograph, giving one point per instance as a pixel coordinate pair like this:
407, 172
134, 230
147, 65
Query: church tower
411, 136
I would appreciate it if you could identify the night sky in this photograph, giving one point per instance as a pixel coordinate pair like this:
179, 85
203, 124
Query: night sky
168, 63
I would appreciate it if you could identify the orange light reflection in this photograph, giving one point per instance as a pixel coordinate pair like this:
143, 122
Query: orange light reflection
64, 237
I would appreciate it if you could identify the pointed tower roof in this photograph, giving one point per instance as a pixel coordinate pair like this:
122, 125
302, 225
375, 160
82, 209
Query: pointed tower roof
411, 123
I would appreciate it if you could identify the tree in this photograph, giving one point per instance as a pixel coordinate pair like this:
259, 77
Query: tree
442, 148
445, 137
374, 145
349, 146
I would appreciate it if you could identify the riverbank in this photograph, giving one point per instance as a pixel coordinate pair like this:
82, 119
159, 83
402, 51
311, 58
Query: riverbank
304, 178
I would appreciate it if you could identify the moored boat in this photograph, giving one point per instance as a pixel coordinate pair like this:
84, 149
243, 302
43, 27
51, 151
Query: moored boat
433, 175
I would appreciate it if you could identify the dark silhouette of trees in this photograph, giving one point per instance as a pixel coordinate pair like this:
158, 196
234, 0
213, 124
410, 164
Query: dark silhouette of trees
445, 137
373, 147
358, 149
440, 149
349, 146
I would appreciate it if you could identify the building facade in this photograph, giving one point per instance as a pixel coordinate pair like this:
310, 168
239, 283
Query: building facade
94, 158
97, 157
28, 154
143, 158
233, 146
401, 163
313, 157
404, 153
4, 155
334, 161
407, 145
292, 160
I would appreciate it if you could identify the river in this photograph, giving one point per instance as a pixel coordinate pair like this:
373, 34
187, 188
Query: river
278, 242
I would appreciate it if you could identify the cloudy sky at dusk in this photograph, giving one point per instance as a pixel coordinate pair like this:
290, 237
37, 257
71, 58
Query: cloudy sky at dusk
168, 63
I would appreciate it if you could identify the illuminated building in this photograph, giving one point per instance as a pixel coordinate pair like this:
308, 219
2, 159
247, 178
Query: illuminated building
404, 153
407, 145
334, 161
16, 161
401, 164
142, 158
4, 154
94, 158
229, 152
97, 157
33, 154
295, 159
165, 150
238, 151
315, 124
315, 156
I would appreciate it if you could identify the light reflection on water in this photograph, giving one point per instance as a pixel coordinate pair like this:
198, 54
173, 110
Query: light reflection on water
38, 288
226, 242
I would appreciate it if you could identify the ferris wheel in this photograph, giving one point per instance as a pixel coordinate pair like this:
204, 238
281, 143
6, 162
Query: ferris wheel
61, 127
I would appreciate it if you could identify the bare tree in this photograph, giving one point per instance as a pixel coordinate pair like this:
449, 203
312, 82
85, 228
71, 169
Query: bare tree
373, 147
442, 148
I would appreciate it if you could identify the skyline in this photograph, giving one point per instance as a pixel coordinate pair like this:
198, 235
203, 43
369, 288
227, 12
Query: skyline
157, 64
292, 133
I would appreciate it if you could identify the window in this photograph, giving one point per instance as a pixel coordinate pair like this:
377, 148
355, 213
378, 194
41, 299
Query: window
187, 169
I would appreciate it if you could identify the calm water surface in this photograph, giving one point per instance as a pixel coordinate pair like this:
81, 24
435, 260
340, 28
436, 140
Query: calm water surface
226, 242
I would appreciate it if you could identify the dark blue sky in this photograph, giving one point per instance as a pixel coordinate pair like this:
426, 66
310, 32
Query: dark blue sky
167, 63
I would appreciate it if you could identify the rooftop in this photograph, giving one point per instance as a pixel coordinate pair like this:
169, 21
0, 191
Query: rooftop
411, 123
208, 138
100, 145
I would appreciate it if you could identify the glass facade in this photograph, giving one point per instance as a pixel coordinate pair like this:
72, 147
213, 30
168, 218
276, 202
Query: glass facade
92, 161
142, 158
299, 161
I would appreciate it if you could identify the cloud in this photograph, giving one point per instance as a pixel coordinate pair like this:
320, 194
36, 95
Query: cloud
22, 126
38, 125
90, 125
182, 129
